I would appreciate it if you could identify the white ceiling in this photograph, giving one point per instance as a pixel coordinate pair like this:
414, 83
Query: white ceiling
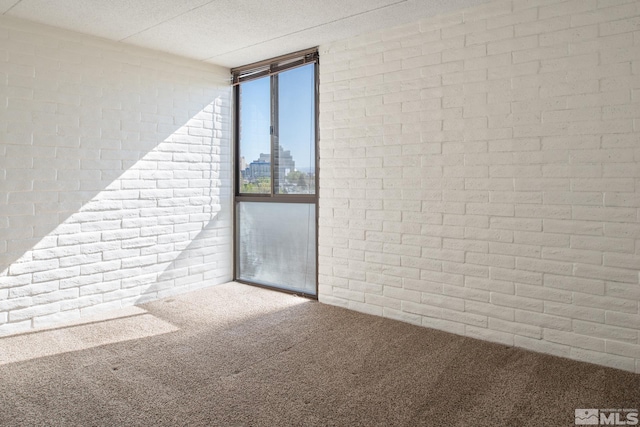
227, 32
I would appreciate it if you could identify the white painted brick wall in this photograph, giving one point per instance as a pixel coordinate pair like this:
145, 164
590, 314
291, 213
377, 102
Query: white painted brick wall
480, 174
114, 175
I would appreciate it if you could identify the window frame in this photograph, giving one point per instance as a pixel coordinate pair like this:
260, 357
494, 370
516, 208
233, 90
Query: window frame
272, 67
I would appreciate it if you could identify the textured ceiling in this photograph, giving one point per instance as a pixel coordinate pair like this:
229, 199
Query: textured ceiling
227, 32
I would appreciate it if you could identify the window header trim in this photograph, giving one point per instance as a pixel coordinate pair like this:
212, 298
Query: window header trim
273, 66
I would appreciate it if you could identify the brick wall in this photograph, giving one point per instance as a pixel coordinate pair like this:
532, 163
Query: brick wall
114, 175
480, 174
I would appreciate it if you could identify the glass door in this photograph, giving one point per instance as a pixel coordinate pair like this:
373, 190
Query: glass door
276, 170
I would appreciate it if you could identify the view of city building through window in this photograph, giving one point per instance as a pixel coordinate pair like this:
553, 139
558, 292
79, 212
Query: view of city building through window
256, 176
292, 132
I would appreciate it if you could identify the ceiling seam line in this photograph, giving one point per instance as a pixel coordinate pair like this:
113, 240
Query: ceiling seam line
14, 5
309, 28
166, 20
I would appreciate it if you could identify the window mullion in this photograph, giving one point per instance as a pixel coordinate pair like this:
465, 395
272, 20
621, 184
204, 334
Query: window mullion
275, 132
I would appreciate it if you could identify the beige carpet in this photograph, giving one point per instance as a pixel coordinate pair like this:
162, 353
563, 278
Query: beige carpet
235, 355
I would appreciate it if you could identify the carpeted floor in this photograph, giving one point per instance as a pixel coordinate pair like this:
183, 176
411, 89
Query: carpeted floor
235, 355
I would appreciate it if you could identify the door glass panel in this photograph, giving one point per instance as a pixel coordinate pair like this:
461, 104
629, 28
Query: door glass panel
277, 245
255, 137
295, 132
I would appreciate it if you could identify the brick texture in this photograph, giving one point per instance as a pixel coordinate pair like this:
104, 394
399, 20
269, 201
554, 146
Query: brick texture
480, 174
114, 175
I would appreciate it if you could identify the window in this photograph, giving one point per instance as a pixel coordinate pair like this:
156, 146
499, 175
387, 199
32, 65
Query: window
276, 173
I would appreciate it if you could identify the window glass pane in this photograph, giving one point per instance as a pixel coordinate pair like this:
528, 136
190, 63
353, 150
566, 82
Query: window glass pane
277, 245
296, 172
255, 136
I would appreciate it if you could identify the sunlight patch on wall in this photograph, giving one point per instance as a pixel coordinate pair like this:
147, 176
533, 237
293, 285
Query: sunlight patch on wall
114, 250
